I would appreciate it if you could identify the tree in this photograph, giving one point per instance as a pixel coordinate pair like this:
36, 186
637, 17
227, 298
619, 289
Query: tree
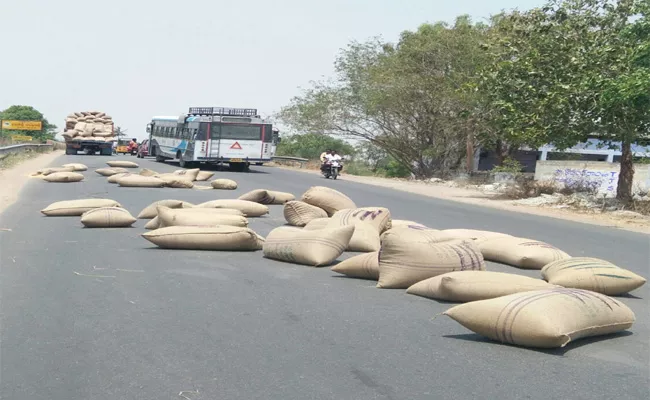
119, 132
312, 145
404, 98
568, 70
28, 113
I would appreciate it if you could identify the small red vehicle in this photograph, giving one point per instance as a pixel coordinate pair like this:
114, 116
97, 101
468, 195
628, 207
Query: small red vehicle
143, 149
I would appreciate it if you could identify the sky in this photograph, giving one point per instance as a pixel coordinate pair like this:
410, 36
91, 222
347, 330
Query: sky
135, 59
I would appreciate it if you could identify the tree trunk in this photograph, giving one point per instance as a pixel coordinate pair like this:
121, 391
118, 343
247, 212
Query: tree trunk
626, 174
502, 152
470, 154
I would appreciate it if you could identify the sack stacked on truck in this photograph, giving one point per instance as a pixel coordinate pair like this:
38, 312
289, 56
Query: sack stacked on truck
89, 125
314, 248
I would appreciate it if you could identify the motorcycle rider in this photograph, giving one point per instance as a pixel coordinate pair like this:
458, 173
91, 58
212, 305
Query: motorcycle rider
323, 158
332, 157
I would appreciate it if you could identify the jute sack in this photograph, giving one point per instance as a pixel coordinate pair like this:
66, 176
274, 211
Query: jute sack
249, 208
176, 181
328, 199
226, 184
261, 196
281, 197
463, 286
223, 237
122, 164
103, 133
364, 266
316, 224
299, 213
592, 274
189, 174
63, 177
111, 171
154, 223
204, 176
365, 237
473, 234
114, 178
107, 217
379, 217
148, 172
544, 318
48, 171
76, 167
313, 248
67, 135
520, 252
416, 233
80, 126
403, 262
192, 217
140, 181
151, 210
75, 208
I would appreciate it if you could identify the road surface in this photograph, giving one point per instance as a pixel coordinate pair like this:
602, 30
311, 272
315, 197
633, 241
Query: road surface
225, 325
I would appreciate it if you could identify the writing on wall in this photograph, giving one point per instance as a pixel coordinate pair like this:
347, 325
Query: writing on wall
602, 182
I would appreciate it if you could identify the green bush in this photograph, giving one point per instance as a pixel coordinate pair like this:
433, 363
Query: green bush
395, 169
311, 145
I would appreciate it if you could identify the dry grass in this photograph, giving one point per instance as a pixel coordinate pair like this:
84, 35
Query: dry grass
13, 159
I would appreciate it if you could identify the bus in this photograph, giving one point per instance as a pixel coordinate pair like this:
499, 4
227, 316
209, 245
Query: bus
216, 135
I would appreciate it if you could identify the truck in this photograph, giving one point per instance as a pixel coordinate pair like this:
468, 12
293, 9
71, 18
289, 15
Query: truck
90, 132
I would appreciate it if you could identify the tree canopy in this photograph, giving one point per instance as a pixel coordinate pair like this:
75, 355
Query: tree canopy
312, 145
28, 113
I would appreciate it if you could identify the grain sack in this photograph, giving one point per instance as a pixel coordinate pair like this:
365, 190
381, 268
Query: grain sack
176, 181
64, 177
328, 199
316, 224
365, 237
75, 208
78, 114
197, 217
299, 213
249, 208
189, 174
473, 234
153, 223
76, 167
48, 171
520, 252
80, 127
229, 238
88, 131
67, 135
204, 176
226, 184
111, 171
379, 217
365, 266
148, 172
151, 210
107, 217
281, 197
261, 196
115, 177
417, 233
122, 164
544, 318
103, 134
397, 223
313, 248
140, 181
464, 286
592, 274
403, 262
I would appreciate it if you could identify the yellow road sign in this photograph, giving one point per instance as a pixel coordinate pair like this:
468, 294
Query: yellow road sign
21, 138
22, 125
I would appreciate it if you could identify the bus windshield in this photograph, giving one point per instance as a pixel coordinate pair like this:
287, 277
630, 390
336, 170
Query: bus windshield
231, 131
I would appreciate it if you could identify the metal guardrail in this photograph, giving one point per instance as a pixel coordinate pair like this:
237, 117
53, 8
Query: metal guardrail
16, 148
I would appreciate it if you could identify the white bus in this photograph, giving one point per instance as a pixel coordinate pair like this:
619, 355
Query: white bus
236, 136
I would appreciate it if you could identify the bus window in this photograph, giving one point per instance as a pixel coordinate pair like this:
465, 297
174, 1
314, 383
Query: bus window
241, 132
203, 131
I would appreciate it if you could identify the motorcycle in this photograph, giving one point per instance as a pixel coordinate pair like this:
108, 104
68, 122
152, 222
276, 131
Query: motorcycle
332, 169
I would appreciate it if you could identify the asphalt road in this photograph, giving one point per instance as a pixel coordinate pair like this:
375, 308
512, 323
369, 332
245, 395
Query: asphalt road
238, 326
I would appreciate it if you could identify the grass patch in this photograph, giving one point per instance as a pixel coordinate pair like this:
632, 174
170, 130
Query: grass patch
13, 159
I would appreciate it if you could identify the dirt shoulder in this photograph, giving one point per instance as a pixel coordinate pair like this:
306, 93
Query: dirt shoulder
479, 198
15, 177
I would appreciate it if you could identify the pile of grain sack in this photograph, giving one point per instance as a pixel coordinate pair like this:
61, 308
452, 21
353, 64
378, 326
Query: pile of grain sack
64, 174
119, 172
89, 125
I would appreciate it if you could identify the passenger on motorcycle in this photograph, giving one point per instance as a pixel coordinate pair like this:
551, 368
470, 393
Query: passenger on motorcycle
323, 158
332, 157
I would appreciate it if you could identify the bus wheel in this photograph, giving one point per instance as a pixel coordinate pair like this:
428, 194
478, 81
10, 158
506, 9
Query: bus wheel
239, 167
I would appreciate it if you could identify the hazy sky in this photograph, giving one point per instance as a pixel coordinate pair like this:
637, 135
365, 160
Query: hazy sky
139, 58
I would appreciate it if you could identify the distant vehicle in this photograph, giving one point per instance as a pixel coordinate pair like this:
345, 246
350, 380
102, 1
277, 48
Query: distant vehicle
332, 169
143, 149
122, 146
216, 135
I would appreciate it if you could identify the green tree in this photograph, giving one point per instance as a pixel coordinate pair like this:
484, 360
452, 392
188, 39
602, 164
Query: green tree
28, 113
311, 146
568, 70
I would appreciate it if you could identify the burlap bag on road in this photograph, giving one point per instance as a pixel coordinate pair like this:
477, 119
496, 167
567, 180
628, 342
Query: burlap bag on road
111, 171
114, 178
379, 217
280, 197
328, 199
314, 248
364, 266
473, 234
403, 262
249, 208
544, 318
107, 217
398, 223
176, 181
416, 233
464, 286
365, 237
299, 213
151, 210
64, 177
148, 172
223, 237
51, 170
75, 208
592, 274
154, 223
520, 252
140, 181
316, 224
122, 164
261, 196
204, 176
194, 217
225, 184
76, 167
189, 174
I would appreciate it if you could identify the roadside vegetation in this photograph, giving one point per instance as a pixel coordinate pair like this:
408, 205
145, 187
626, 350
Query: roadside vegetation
551, 75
